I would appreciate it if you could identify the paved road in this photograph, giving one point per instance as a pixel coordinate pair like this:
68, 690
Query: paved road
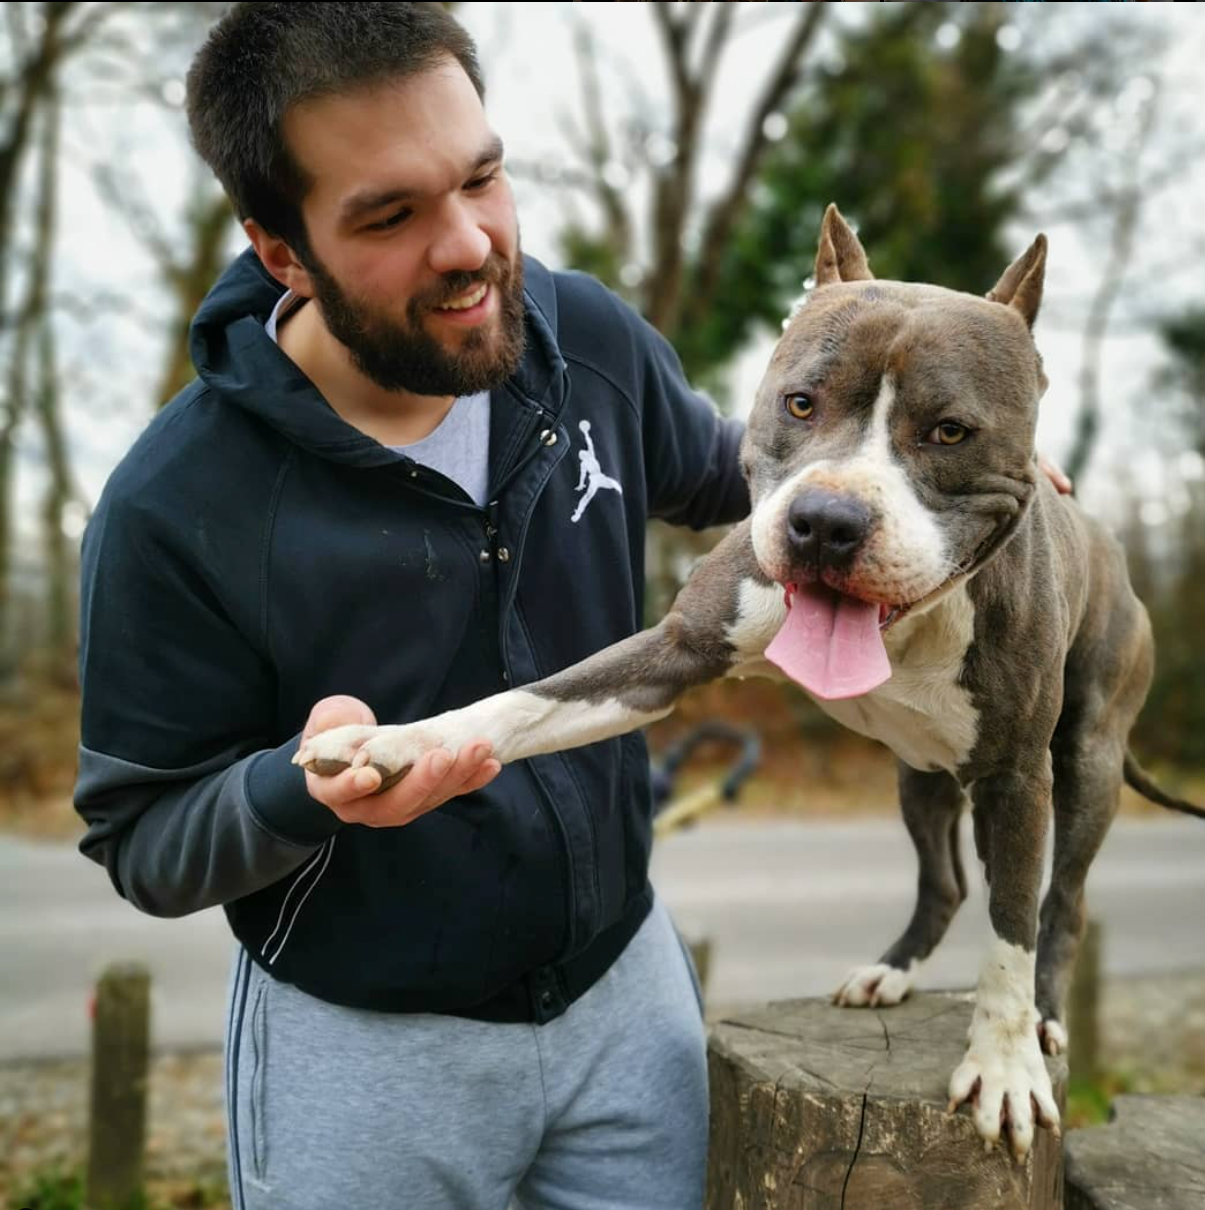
788, 908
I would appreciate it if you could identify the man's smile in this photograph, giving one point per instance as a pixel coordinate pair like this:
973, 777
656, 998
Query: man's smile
470, 308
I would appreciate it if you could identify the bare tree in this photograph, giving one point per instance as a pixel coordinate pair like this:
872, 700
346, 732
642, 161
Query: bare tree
1125, 214
60, 489
188, 260
41, 40
676, 286
120, 49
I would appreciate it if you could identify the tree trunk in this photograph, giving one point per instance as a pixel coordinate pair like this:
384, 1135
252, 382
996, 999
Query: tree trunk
57, 556
209, 221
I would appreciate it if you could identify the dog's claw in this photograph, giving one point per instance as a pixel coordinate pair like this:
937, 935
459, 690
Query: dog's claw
1011, 1090
876, 986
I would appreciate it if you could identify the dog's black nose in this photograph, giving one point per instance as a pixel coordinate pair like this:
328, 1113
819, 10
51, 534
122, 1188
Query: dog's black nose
825, 529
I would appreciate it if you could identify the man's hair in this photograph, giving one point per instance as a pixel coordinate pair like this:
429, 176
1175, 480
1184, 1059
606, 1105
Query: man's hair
262, 58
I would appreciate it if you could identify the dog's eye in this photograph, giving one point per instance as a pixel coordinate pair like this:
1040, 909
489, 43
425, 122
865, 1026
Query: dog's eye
949, 432
799, 405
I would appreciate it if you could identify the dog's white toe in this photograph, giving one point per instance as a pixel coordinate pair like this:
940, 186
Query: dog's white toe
338, 746
875, 986
1005, 1078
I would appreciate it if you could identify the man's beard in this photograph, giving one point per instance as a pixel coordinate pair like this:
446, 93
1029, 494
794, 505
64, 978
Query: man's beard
403, 356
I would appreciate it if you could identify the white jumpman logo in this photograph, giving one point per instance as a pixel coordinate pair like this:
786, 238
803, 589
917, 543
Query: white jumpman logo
592, 477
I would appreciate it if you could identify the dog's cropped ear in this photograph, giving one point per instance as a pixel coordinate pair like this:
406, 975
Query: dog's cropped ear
1020, 287
840, 256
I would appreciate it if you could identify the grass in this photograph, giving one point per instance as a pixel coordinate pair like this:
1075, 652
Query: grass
55, 1189
1088, 1101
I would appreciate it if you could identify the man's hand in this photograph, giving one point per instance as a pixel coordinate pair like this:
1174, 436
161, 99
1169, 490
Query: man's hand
353, 794
1055, 474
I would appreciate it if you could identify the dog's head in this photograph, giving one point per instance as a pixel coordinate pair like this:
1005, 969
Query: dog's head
890, 451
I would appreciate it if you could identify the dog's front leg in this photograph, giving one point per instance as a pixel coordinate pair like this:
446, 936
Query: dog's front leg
715, 624
1004, 1073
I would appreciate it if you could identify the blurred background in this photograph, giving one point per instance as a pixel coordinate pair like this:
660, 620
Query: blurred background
683, 154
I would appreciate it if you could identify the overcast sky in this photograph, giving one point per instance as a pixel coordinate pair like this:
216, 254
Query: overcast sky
115, 358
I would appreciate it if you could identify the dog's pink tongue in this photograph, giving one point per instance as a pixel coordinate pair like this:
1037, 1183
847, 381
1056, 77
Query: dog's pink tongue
830, 644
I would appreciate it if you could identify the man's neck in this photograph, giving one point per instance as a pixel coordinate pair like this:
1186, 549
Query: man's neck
390, 417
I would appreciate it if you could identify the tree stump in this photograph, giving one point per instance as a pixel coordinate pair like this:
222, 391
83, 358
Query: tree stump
815, 1107
1150, 1156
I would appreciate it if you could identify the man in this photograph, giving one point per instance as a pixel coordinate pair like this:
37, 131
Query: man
369, 505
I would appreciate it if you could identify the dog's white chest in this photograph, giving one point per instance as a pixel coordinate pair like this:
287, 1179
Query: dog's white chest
922, 713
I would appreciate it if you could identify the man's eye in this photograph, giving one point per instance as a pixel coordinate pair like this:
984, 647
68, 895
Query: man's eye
481, 181
394, 220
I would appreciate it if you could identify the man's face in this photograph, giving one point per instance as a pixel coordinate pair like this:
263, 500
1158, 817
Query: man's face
410, 211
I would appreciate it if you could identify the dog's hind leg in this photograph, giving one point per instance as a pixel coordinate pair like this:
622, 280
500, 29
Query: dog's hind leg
932, 804
1107, 675
1087, 788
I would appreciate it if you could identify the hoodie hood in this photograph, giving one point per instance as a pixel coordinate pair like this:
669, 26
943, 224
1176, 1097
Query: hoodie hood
240, 363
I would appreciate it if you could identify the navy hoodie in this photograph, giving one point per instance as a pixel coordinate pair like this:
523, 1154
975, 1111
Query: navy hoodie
254, 553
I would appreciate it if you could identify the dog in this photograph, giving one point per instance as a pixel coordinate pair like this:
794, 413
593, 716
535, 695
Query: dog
908, 563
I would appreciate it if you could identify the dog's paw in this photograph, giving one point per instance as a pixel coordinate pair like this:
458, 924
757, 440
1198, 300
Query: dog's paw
391, 751
875, 986
330, 752
1004, 1077
1052, 1036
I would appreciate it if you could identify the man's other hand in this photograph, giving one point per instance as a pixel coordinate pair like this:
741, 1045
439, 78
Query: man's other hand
1056, 475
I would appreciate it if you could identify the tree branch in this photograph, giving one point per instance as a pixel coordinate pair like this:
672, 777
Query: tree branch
723, 215
597, 148
1088, 420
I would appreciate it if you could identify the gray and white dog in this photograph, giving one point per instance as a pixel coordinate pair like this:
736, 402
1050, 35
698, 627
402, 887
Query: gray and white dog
908, 563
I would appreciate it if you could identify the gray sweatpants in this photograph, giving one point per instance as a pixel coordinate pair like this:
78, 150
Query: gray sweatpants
604, 1108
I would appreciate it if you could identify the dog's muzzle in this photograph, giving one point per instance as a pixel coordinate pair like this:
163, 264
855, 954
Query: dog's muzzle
825, 530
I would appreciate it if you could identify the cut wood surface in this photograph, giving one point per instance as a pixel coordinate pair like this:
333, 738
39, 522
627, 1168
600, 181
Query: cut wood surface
815, 1107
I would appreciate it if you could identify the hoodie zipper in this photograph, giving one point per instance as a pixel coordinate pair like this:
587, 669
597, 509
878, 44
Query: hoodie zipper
547, 436
544, 425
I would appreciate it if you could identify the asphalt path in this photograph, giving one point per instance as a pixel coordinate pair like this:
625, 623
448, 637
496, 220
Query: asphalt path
787, 907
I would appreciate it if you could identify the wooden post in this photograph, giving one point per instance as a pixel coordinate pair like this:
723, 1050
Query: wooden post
120, 1046
1083, 1007
700, 955
815, 1107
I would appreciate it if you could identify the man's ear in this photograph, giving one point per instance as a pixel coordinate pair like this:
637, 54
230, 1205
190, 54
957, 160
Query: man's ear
279, 259
840, 256
1020, 286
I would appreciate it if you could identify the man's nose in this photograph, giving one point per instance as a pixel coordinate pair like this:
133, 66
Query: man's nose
826, 529
460, 242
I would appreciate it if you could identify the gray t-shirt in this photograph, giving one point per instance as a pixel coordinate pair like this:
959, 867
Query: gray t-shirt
458, 448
